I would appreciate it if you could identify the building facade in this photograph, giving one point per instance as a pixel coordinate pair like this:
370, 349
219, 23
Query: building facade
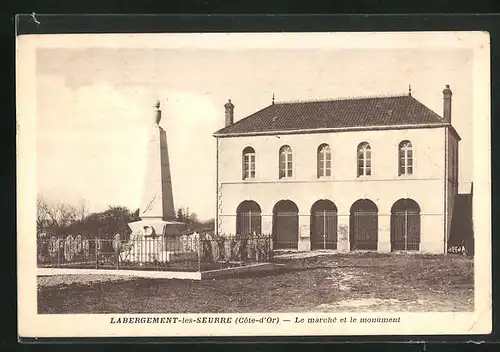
375, 174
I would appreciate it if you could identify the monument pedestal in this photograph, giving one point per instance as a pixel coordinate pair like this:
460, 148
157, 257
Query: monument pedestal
158, 227
158, 240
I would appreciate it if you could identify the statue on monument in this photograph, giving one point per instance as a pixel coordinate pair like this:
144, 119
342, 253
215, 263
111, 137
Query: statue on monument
158, 113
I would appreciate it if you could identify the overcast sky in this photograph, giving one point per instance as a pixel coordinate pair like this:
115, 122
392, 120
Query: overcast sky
94, 107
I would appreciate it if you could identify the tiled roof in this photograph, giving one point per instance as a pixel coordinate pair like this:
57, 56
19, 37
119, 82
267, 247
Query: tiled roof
345, 113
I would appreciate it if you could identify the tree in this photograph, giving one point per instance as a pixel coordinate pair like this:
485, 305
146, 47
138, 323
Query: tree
42, 218
62, 220
52, 217
193, 222
136, 214
81, 210
115, 220
193, 218
180, 215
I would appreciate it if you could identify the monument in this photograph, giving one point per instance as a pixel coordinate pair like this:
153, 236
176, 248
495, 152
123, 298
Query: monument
156, 236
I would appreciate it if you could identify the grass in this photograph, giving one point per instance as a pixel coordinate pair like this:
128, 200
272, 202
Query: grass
326, 283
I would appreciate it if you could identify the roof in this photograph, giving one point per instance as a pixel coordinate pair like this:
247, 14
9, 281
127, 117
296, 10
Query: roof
335, 114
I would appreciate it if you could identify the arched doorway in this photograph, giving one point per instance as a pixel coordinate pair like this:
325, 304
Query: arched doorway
324, 225
405, 226
363, 234
285, 225
248, 218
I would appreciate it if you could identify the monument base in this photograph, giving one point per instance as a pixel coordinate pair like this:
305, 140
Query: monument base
156, 240
156, 249
159, 226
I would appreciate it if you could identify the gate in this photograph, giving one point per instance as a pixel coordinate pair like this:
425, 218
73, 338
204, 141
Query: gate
405, 226
248, 218
324, 225
363, 225
285, 225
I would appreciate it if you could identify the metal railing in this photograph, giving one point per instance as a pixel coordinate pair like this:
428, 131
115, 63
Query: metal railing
400, 231
196, 252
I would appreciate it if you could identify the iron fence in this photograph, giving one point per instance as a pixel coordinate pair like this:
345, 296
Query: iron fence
196, 252
398, 231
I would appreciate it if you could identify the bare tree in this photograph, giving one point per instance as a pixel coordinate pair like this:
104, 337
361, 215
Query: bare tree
42, 217
81, 210
56, 215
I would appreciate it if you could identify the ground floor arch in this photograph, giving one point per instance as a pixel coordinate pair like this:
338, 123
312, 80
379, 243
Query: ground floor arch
405, 225
285, 225
324, 225
363, 225
248, 218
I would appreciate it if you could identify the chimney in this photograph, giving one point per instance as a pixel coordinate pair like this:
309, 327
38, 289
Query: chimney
447, 103
229, 113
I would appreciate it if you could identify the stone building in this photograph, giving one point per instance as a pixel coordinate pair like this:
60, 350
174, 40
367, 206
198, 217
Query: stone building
370, 173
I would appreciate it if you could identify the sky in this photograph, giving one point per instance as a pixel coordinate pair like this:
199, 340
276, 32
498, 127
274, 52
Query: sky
95, 105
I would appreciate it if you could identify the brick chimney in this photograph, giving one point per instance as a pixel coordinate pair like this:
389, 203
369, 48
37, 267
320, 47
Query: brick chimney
229, 113
447, 103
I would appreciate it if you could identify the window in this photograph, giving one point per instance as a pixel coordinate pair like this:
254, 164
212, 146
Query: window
248, 163
285, 161
364, 159
405, 158
324, 161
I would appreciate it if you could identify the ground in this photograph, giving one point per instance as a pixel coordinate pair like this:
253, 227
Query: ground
302, 283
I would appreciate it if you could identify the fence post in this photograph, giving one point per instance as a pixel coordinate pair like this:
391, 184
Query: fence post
270, 249
157, 255
96, 253
58, 252
199, 253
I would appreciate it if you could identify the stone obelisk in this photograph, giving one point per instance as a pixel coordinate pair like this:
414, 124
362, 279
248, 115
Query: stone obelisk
157, 210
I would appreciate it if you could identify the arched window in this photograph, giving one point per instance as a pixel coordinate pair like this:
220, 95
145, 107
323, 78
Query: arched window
364, 159
248, 163
286, 161
324, 160
405, 158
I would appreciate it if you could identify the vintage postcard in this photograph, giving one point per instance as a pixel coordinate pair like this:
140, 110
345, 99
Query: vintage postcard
253, 184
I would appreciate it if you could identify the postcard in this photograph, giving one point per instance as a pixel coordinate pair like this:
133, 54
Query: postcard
253, 184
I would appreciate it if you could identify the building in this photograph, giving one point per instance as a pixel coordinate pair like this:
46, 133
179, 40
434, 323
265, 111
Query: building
372, 173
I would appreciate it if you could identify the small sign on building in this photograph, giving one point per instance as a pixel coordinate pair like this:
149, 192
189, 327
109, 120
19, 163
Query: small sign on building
305, 231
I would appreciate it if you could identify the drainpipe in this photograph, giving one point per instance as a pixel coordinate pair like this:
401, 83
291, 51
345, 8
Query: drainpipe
445, 239
216, 230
